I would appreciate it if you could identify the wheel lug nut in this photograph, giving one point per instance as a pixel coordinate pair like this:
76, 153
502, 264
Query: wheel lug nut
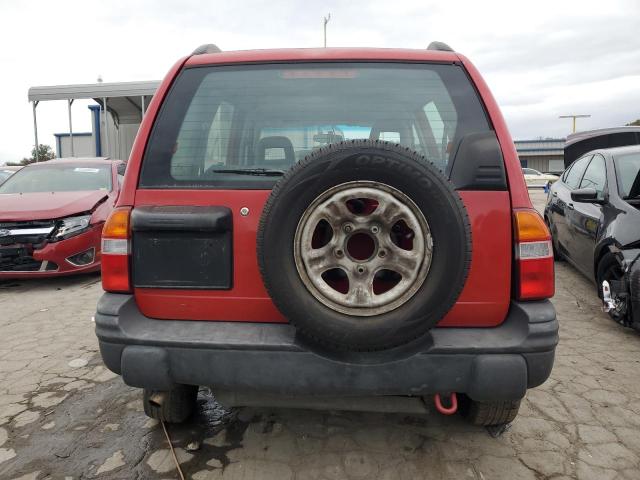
382, 253
339, 253
375, 229
348, 228
360, 269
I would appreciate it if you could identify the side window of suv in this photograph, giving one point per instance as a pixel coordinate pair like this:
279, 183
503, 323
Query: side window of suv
595, 176
575, 174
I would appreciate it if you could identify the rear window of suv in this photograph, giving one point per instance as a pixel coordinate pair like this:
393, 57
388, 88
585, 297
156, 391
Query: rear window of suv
219, 123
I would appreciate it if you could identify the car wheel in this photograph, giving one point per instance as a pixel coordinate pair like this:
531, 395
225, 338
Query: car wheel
609, 269
488, 413
171, 406
364, 246
557, 254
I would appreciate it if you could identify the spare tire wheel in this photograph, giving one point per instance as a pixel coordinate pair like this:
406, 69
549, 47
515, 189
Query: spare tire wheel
364, 245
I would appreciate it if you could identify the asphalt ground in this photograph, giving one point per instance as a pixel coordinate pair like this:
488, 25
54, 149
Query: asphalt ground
63, 415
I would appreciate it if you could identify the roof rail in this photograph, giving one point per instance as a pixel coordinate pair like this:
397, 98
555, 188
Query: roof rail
206, 48
441, 46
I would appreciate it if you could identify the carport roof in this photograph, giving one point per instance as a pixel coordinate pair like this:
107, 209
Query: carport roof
93, 90
124, 99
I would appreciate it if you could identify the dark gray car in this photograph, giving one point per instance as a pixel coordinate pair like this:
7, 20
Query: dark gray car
592, 212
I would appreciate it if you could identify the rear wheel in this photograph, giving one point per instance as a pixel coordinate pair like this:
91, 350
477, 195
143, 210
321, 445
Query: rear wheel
609, 269
171, 406
487, 414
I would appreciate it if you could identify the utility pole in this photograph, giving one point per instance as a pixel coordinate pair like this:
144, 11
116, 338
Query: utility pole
574, 119
326, 20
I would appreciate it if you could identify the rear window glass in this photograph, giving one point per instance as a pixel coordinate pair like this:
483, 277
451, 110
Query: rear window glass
59, 178
217, 119
628, 173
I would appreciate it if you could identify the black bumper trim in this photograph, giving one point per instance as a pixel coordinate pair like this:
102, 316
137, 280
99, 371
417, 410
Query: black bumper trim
496, 363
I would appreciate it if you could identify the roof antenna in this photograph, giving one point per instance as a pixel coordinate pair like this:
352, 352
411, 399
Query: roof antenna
326, 20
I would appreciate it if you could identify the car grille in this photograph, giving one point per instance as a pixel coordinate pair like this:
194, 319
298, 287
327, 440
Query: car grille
34, 232
18, 240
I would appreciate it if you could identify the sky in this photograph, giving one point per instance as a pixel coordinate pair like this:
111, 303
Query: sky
540, 58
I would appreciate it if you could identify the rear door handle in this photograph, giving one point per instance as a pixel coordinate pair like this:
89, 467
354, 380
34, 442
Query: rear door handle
555, 194
570, 206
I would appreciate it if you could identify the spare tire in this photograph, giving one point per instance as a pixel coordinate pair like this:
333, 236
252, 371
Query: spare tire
364, 245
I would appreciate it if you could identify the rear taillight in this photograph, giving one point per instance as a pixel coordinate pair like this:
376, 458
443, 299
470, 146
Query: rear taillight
115, 251
534, 256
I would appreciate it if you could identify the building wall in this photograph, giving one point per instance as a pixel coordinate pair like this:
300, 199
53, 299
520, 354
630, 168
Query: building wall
83, 145
117, 142
542, 163
545, 155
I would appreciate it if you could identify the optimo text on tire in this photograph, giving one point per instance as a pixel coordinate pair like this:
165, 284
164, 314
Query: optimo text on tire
364, 246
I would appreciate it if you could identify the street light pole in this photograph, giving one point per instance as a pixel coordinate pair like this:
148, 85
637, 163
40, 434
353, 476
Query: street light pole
574, 119
326, 20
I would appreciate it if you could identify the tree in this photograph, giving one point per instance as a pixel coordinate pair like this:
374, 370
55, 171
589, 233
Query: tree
45, 153
635, 123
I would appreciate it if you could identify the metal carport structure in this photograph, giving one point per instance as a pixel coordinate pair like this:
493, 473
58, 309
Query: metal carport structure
124, 102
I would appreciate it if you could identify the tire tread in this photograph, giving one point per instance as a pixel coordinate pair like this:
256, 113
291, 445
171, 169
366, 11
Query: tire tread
491, 413
178, 406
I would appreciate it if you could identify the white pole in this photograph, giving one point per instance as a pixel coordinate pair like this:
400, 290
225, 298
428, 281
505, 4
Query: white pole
35, 129
106, 127
326, 20
69, 102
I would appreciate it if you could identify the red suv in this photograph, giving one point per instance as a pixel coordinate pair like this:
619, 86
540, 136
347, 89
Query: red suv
327, 222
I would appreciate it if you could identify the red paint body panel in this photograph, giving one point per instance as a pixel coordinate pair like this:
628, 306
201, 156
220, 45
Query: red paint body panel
485, 299
248, 300
46, 205
479, 305
58, 252
515, 179
290, 55
487, 293
130, 184
55, 205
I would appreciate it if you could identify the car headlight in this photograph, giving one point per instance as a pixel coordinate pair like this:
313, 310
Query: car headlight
71, 226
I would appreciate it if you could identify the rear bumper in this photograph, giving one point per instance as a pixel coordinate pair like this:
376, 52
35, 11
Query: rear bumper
497, 363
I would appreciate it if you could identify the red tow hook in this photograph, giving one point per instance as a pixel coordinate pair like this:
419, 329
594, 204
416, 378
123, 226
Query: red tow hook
453, 402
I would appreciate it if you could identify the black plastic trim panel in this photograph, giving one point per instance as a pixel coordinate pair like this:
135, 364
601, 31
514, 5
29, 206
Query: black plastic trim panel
180, 218
478, 163
182, 247
486, 363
